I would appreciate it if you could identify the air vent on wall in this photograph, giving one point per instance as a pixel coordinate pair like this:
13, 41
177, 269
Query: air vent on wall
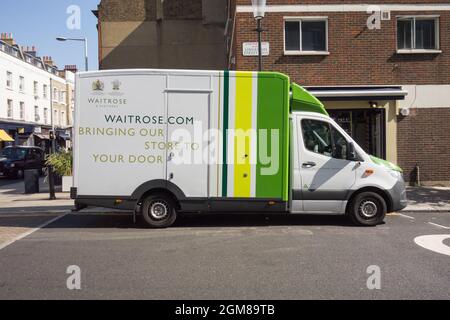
385, 15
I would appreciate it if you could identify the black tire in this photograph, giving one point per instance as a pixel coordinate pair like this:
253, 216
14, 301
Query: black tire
367, 209
159, 211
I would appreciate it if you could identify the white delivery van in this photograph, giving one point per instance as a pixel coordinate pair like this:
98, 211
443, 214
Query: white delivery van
163, 142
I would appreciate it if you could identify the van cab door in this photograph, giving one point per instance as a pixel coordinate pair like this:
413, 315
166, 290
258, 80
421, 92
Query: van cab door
326, 175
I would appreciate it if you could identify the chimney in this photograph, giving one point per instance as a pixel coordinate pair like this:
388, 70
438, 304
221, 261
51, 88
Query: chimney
71, 68
48, 61
32, 50
8, 38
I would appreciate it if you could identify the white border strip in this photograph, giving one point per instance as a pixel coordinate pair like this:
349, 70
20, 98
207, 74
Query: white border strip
347, 7
26, 234
350, 93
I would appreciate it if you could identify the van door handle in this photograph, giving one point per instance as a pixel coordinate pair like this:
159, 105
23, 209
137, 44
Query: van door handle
308, 164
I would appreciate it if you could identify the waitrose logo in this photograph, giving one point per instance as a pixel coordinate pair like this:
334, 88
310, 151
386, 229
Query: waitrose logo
107, 101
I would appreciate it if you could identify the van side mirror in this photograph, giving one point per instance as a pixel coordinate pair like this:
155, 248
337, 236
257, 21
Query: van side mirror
351, 154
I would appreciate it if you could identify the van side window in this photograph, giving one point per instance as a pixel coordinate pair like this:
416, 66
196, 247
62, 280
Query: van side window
317, 137
322, 138
340, 144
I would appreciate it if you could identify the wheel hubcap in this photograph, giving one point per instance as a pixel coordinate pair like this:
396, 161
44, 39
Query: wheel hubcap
368, 209
159, 210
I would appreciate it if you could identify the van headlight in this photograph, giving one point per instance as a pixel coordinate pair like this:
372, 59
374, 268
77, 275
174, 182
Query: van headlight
396, 174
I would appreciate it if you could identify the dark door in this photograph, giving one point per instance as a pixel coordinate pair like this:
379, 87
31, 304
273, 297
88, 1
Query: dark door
366, 126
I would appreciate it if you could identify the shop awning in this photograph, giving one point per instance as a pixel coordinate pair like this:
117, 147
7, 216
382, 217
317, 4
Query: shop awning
5, 137
302, 100
42, 136
64, 136
353, 93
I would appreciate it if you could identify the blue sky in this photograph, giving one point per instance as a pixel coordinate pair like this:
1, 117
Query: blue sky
39, 22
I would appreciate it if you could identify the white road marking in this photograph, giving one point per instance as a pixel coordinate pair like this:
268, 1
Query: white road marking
434, 243
438, 225
405, 216
26, 234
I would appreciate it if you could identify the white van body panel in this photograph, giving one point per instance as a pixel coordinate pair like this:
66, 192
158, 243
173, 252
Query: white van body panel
325, 186
155, 93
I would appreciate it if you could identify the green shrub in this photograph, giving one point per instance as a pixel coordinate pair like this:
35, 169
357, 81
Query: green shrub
61, 163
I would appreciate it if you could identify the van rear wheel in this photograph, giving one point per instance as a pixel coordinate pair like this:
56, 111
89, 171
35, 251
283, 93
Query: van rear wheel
367, 209
158, 211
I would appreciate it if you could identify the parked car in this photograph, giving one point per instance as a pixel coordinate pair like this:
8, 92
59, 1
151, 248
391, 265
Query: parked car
15, 160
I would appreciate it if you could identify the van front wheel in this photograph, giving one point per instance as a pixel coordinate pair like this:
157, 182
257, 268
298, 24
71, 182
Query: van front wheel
367, 209
159, 211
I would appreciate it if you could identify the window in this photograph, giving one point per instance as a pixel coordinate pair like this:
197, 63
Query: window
55, 117
36, 114
61, 96
35, 88
44, 91
306, 36
417, 33
10, 109
21, 84
63, 120
322, 138
9, 81
22, 110
55, 94
46, 115
340, 144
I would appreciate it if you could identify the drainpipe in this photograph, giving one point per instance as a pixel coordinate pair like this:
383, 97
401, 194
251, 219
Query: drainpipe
417, 168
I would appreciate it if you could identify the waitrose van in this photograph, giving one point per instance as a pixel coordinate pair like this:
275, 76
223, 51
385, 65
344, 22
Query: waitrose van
163, 142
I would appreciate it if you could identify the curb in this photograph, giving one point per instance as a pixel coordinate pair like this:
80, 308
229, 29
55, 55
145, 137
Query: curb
426, 210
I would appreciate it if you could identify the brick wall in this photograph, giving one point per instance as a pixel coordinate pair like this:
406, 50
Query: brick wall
423, 138
357, 55
278, 2
140, 10
185, 9
119, 10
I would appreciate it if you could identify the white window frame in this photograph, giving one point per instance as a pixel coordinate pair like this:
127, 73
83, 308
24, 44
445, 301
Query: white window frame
22, 110
36, 88
9, 79
55, 117
10, 109
45, 115
44, 91
299, 20
37, 117
21, 84
436, 19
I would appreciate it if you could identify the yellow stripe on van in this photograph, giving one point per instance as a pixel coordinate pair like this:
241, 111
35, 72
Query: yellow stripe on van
242, 134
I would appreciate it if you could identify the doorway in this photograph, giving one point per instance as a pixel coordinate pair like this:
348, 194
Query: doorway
366, 126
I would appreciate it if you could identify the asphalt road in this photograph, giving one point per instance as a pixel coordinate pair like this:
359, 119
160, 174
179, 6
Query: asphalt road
227, 257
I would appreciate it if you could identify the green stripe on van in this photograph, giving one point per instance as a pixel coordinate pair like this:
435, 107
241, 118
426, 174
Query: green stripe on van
226, 101
271, 116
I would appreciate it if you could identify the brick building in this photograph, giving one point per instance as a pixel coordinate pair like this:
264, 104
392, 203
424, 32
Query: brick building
382, 72
161, 34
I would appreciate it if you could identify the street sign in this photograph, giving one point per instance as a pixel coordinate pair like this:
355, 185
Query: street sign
250, 49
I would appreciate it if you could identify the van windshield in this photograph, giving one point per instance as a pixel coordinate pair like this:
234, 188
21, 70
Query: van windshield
13, 153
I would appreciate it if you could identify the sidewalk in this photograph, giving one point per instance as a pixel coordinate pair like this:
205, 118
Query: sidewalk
432, 199
13, 200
